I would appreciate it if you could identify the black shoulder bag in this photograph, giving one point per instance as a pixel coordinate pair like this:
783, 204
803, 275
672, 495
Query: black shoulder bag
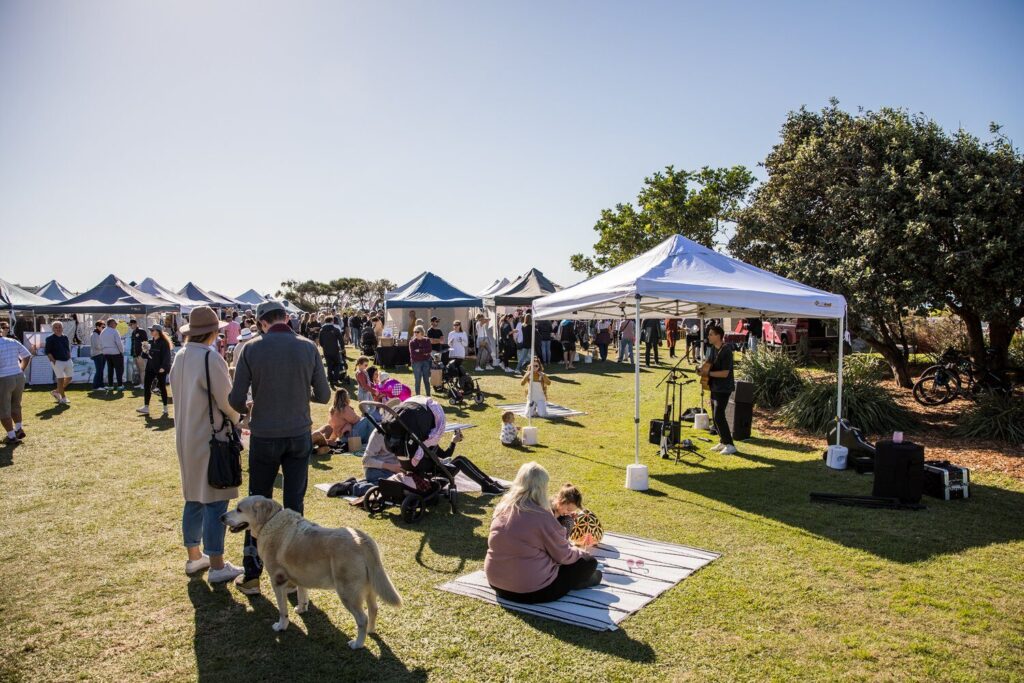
225, 468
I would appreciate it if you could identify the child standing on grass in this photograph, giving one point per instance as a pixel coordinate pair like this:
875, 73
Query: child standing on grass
509, 431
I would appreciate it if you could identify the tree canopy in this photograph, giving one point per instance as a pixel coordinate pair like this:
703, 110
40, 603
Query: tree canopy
345, 292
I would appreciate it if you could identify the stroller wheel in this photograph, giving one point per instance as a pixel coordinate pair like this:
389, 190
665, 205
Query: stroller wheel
453, 495
412, 508
478, 397
373, 501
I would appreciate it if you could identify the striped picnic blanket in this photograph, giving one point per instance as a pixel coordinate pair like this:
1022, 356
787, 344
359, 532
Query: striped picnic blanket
625, 587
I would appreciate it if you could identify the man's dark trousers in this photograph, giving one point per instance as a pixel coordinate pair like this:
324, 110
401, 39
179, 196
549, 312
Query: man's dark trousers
290, 455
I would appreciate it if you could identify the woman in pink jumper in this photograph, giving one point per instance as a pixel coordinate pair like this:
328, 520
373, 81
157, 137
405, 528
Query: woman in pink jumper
529, 559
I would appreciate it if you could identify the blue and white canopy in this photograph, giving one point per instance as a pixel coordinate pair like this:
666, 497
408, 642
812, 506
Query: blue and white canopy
428, 291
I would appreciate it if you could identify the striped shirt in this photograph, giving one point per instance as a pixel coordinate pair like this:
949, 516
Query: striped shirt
11, 353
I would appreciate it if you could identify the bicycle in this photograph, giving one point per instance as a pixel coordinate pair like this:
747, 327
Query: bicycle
945, 381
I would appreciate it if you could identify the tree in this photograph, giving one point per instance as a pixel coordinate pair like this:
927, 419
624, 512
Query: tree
890, 211
689, 203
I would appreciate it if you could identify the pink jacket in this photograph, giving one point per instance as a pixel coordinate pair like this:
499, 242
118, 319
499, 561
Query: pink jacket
525, 548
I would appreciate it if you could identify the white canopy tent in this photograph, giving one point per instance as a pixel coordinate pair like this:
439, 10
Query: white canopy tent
680, 278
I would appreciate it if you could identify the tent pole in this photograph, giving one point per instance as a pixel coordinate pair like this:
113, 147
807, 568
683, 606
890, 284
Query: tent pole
533, 357
839, 393
636, 385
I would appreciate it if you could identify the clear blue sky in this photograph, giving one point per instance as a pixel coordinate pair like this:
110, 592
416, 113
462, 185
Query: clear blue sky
238, 144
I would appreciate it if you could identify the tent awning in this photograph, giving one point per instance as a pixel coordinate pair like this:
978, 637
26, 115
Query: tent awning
54, 291
680, 278
196, 293
18, 299
429, 291
113, 296
496, 286
523, 291
250, 298
154, 288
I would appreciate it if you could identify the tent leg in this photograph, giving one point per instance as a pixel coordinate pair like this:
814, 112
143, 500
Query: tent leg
839, 393
533, 356
636, 474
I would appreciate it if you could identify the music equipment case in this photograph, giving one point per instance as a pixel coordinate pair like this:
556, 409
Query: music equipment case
946, 481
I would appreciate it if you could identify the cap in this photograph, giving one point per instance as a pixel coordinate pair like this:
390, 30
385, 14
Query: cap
156, 328
268, 307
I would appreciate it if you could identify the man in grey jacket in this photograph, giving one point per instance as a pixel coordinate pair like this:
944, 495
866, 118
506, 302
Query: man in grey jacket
284, 372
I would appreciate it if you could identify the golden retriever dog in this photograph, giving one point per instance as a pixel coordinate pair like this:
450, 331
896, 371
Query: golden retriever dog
295, 550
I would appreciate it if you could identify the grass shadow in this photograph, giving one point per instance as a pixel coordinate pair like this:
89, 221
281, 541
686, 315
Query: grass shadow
781, 445
779, 489
159, 424
448, 535
53, 411
233, 640
612, 643
7, 452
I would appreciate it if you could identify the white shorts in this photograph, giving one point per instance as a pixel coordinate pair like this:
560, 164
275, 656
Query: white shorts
63, 368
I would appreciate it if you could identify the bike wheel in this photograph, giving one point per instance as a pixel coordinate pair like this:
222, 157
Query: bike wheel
936, 389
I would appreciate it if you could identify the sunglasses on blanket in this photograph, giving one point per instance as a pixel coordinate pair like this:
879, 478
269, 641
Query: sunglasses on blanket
637, 566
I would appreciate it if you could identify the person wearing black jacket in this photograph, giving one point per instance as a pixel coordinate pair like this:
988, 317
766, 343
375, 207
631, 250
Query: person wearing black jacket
355, 329
332, 342
651, 335
158, 365
137, 339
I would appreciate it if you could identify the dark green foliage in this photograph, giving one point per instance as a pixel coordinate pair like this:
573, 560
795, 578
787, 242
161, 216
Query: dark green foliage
866, 404
994, 416
774, 375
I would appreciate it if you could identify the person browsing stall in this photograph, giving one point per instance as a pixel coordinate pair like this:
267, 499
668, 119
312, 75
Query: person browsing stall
718, 369
157, 352
136, 339
436, 335
58, 350
419, 356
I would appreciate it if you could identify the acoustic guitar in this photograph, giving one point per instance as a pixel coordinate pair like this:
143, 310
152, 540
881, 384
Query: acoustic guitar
705, 378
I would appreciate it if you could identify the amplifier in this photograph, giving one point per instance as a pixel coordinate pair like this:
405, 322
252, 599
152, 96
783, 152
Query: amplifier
899, 471
656, 430
740, 417
946, 481
744, 392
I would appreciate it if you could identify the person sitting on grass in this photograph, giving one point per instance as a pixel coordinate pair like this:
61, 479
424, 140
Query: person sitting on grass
509, 431
564, 506
529, 559
341, 418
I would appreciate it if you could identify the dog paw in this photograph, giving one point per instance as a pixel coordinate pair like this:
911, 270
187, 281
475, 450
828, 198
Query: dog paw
355, 644
301, 608
280, 625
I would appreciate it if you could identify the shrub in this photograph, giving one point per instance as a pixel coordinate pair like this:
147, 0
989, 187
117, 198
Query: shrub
863, 368
866, 404
994, 416
774, 376
1016, 351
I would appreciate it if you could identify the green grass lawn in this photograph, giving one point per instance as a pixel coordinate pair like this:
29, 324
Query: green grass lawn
93, 583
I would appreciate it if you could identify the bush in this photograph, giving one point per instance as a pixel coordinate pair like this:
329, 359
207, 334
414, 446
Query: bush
994, 416
1016, 351
865, 404
774, 376
863, 368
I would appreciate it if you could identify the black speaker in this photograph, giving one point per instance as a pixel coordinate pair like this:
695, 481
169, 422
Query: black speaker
899, 471
657, 427
740, 417
744, 392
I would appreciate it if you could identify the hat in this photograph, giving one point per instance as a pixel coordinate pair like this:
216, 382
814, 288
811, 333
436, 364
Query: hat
268, 307
202, 320
245, 335
156, 328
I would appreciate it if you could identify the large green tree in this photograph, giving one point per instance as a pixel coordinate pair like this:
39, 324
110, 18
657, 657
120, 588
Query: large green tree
889, 210
674, 202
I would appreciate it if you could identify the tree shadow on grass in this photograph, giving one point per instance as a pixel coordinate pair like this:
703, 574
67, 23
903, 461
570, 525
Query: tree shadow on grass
779, 490
612, 643
448, 535
232, 642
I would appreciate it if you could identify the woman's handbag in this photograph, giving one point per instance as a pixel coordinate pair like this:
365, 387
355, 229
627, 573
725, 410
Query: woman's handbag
225, 468
603, 337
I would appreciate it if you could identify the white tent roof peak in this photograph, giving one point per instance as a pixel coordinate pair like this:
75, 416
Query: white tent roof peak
681, 278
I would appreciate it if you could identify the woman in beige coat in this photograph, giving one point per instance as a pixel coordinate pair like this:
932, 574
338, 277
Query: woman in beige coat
204, 505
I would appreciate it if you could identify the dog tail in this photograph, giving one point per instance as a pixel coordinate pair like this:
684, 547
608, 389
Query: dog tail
379, 579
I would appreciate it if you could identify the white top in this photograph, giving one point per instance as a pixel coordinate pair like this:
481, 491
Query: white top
457, 343
12, 352
508, 432
110, 342
483, 331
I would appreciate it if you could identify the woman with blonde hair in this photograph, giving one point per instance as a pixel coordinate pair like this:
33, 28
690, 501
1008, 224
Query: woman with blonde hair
529, 559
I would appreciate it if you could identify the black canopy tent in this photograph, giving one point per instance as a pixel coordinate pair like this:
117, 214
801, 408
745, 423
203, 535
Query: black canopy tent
112, 296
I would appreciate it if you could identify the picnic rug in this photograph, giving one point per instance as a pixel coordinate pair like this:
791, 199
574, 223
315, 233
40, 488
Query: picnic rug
554, 410
626, 586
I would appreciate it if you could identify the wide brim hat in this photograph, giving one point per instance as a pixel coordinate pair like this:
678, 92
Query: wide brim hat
202, 320
246, 334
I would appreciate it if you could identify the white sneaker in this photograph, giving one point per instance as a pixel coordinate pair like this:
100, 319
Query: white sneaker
478, 369
64, 400
718, 447
728, 450
163, 413
195, 566
139, 386
55, 395
226, 573
144, 410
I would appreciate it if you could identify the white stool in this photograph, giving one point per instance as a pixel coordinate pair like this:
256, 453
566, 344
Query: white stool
701, 421
530, 436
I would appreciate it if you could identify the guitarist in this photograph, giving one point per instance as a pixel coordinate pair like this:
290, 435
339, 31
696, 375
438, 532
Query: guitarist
717, 376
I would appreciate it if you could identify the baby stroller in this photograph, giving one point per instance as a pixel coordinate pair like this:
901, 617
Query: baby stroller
368, 342
425, 481
456, 383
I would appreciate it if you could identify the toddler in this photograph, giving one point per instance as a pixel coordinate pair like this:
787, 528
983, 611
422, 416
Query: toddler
509, 431
566, 504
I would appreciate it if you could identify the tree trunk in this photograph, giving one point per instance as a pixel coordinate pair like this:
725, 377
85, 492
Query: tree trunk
975, 335
1000, 334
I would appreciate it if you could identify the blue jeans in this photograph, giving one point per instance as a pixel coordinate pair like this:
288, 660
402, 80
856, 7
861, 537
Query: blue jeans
625, 349
523, 359
372, 476
363, 429
545, 352
97, 379
201, 522
421, 371
290, 456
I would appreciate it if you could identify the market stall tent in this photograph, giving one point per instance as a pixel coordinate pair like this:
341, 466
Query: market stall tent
54, 291
154, 288
429, 295
233, 302
17, 299
497, 285
680, 278
112, 296
196, 293
523, 290
250, 298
